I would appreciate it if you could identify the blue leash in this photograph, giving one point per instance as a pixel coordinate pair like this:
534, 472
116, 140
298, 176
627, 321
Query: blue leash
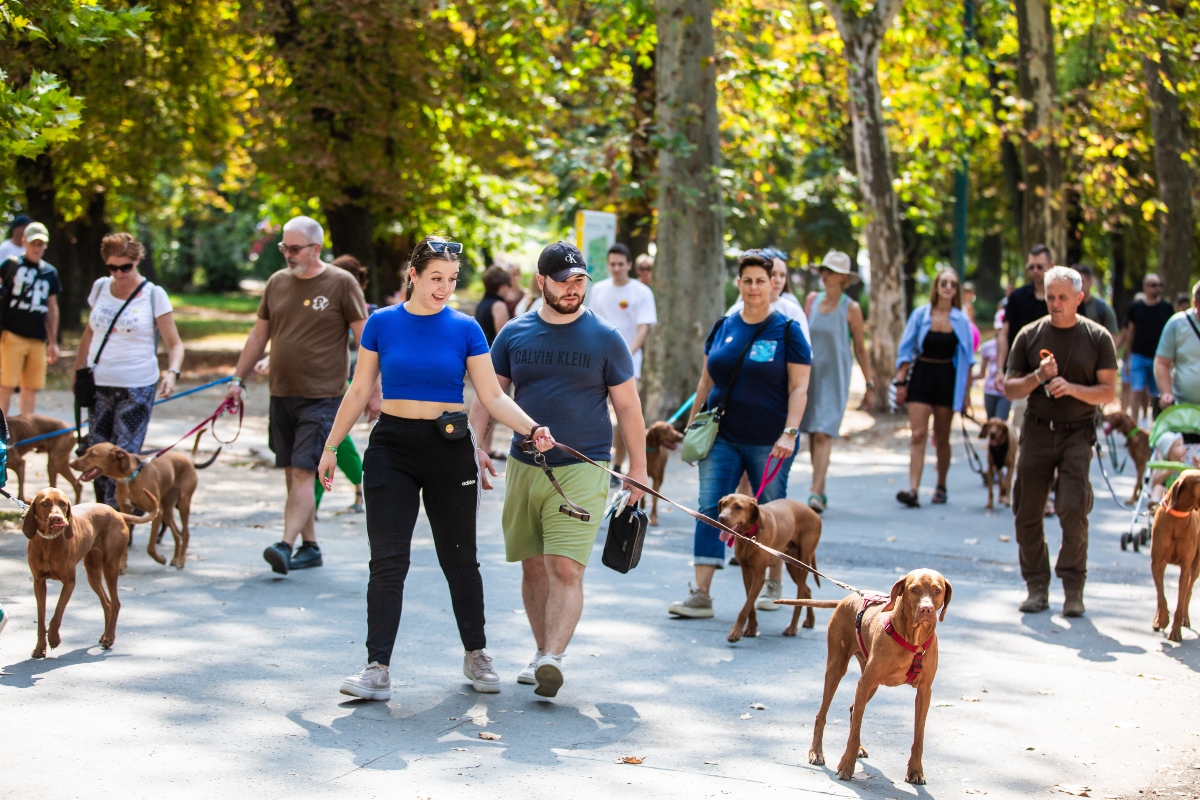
682, 409
52, 434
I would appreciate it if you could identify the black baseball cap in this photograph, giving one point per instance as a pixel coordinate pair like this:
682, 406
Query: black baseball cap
20, 220
561, 261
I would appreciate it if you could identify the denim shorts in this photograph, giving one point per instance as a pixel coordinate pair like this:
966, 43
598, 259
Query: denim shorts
720, 474
1141, 374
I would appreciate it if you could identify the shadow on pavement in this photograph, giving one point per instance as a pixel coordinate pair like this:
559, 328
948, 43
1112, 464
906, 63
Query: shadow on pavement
25, 674
1081, 635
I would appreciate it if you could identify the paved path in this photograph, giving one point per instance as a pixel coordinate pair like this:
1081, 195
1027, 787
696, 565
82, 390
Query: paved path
223, 680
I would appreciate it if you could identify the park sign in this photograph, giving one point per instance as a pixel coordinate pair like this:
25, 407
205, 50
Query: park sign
595, 232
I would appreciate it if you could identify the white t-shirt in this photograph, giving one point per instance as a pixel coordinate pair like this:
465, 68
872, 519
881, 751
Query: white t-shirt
624, 307
9, 250
130, 359
788, 305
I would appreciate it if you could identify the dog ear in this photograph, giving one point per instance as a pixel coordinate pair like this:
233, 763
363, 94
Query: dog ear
755, 516
897, 590
653, 436
946, 600
29, 525
122, 459
69, 533
1172, 496
983, 430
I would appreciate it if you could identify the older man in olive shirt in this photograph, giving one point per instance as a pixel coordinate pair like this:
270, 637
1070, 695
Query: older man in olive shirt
1066, 365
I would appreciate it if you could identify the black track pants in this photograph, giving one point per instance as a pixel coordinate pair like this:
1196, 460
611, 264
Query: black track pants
405, 460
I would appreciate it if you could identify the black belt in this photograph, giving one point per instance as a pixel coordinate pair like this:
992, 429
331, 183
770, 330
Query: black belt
1062, 426
936, 360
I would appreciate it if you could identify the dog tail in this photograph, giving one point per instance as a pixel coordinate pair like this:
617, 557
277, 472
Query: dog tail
196, 446
809, 603
152, 507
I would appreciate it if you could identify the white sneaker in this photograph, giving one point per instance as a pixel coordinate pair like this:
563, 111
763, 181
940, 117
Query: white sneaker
477, 666
697, 606
525, 676
548, 673
373, 683
772, 591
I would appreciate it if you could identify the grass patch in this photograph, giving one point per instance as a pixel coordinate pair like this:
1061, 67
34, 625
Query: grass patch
233, 303
192, 328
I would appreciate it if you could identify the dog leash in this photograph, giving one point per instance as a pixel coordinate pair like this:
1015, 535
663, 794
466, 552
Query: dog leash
762, 485
974, 462
528, 446
1108, 483
16, 500
227, 406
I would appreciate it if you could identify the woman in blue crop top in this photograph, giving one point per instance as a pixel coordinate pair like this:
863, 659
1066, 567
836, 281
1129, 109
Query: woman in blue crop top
422, 349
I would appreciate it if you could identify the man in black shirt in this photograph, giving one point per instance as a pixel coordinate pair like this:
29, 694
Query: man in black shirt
1025, 305
30, 330
1143, 328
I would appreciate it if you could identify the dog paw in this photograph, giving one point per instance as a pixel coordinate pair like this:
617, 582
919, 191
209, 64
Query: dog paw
1161, 619
916, 777
107, 641
862, 752
790, 630
38, 652
809, 622
734, 635
54, 639
1176, 635
816, 758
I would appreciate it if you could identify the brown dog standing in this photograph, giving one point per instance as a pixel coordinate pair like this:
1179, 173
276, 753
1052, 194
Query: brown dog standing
1175, 539
788, 526
1137, 444
170, 479
60, 536
58, 448
661, 439
1002, 458
911, 614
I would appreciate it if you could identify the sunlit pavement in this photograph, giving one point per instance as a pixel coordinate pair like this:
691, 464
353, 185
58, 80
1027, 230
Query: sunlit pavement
223, 680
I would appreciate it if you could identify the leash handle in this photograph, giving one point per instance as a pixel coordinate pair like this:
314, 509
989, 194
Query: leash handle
762, 484
228, 405
569, 508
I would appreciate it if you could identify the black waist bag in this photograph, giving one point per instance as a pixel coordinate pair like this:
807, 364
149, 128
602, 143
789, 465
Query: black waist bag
452, 425
626, 533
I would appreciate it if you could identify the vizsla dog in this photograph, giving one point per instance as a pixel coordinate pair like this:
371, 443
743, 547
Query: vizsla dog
895, 641
1002, 458
1175, 539
27, 426
661, 439
171, 479
60, 536
791, 528
1137, 444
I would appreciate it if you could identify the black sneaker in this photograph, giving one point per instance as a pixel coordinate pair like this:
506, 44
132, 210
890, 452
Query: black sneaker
279, 556
306, 556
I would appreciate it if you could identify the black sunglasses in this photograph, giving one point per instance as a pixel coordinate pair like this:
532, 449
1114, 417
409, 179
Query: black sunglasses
453, 248
120, 267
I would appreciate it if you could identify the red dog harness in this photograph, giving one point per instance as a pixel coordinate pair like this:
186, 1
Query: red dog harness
918, 652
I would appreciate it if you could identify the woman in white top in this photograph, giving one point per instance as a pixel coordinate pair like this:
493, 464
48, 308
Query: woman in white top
782, 299
126, 371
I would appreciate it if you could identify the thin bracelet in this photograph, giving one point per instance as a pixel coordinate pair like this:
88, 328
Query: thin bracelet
331, 448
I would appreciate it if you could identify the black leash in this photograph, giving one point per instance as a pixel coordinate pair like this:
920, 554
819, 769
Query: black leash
1108, 483
973, 459
529, 448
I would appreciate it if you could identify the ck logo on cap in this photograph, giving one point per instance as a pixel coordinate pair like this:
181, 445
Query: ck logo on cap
571, 258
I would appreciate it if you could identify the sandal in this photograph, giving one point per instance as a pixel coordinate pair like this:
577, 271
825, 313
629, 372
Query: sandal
818, 502
939, 495
908, 498
498, 455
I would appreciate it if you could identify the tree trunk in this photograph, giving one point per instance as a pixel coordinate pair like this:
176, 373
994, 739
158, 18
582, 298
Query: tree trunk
82, 264
912, 262
1044, 207
1120, 295
1074, 233
690, 265
352, 230
861, 39
636, 226
989, 267
1176, 237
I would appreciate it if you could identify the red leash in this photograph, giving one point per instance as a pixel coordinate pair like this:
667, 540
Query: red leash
228, 406
762, 484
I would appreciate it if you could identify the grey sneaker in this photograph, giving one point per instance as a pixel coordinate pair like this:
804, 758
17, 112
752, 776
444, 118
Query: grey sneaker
548, 674
279, 556
772, 591
526, 675
477, 666
697, 606
373, 683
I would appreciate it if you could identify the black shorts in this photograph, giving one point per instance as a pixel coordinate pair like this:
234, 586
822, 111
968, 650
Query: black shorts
299, 428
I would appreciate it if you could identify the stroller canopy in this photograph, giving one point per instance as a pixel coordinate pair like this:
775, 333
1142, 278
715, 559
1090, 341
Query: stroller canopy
1182, 418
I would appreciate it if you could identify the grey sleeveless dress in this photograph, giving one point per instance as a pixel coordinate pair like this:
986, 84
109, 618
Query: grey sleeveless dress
829, 384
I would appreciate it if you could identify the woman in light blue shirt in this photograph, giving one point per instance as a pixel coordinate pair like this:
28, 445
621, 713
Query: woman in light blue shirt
932, 367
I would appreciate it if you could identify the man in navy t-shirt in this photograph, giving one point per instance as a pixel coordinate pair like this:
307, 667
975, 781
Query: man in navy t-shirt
565, 363
30, 338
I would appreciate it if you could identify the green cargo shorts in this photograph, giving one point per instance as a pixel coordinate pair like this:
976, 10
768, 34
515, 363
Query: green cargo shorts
532, 523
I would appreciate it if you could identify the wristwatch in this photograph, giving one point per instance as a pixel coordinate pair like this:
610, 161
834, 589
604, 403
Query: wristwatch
790, 432
175, 372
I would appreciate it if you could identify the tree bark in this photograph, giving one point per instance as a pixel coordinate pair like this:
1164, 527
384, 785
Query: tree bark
862, 37
1176, 231
690, 265
352, 231
636, 225
1043, 204
989, 267
1120, 295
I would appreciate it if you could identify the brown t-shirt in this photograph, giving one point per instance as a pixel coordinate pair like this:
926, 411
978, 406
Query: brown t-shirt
1080, 351
310, 321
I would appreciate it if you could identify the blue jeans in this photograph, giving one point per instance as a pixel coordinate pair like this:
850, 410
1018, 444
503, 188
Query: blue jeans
995, 405
1141, 374
720, 474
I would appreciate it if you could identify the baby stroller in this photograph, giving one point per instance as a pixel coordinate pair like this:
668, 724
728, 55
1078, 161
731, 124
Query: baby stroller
1182, 419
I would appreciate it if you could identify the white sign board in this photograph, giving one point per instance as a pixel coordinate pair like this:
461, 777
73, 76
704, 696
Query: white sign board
595, 232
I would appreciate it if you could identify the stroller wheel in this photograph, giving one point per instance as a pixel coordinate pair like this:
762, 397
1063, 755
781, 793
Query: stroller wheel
1137, 543
1144, 535
1126, 538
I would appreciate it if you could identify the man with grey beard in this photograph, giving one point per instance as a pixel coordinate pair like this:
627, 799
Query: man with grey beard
304, 314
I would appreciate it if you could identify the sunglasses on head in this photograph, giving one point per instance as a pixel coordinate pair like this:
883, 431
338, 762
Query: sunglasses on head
121, 267
453, 248
295, 249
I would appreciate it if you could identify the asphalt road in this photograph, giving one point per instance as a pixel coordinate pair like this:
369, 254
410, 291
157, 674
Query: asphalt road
223, 679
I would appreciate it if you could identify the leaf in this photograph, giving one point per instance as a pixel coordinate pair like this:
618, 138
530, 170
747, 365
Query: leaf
758, 706
489, 735
630, 760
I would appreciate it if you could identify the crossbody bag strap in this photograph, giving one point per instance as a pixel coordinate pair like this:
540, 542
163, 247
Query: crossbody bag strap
737, 368
117, 316
1192, 322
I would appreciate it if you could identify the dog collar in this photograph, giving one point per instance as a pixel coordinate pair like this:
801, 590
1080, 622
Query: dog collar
141, 465
752, 531
55, 536
1178, 514
1129, 436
